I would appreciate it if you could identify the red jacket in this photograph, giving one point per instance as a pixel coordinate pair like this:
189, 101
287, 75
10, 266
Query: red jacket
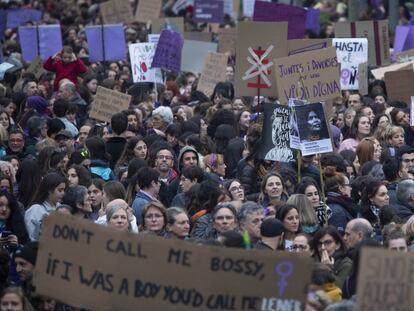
65, 71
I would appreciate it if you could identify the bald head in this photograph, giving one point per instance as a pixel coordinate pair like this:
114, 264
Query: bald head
356, 230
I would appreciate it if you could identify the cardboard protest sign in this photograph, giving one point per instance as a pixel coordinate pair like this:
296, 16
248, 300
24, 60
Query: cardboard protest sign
256, 54
106, 42
20, 17
43, 41
310, 131
141, 56
363, 78
406, 56
36, 67
170, 23
313, 22
298, 46
168, 53
400, 85
276, 12
194, 55
198, 36
377, 34
159, 274
227, 40
148, 10
116, 11
320, 73
208, 11
385, 280
379, 73
108, 102
214, 71
403, 39
276, 129
350, 53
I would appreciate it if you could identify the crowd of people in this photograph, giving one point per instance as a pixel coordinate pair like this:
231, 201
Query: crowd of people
181, 165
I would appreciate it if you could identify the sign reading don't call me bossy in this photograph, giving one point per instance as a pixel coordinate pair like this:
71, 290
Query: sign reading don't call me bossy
98, 268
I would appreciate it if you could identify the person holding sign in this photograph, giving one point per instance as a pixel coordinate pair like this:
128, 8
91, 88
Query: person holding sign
66, 66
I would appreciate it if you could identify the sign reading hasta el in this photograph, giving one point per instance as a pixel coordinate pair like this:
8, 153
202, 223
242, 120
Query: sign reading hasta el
159, 274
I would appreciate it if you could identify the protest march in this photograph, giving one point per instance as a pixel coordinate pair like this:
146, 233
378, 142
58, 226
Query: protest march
206, 155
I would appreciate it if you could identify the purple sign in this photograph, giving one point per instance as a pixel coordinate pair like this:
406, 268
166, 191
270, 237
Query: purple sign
168, 53
275, 12
3, 23
403, 40
110, 46
19, 17
43, 41
208, 11
313, 20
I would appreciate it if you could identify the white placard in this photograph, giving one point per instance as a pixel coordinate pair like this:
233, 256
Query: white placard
141, 55
350, 53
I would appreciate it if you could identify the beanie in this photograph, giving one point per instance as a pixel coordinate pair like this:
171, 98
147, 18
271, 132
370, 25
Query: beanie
28, 252
271, 228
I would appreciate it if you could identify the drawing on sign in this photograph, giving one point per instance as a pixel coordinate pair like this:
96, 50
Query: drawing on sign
260, 68
284, 269
280, 150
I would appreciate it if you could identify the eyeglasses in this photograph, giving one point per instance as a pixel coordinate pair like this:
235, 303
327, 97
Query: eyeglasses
164, 157
298, 247
153, 216
325, 243
236, 188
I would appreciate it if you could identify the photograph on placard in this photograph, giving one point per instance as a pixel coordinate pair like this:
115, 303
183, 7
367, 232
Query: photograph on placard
313, 129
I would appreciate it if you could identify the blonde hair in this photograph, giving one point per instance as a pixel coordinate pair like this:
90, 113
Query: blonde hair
307, 215
392, 130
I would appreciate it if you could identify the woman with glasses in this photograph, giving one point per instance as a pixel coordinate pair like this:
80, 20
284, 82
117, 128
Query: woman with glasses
236, 190
338, 192
154, 218
302, 244
330, 250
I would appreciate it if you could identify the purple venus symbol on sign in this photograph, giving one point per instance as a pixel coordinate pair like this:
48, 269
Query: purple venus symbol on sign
283, 269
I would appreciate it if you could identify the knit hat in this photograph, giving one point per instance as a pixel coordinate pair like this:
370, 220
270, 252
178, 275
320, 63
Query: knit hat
165, 113
271, 228
37, 102
28, 252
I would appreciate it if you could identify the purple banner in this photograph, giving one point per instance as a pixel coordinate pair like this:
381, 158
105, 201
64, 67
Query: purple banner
313, 20
19, 17
45, 39
275, 12
168, 53
403, 40
208, 11
109, 48
3, 23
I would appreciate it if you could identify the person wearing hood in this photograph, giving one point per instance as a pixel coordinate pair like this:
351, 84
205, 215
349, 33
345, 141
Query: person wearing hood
188, 157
